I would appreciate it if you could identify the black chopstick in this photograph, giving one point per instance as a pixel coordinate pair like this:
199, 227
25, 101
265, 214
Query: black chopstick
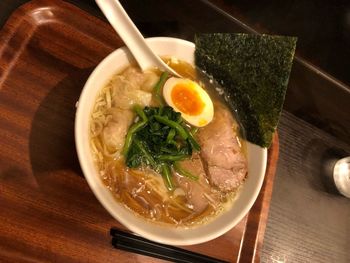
140, 245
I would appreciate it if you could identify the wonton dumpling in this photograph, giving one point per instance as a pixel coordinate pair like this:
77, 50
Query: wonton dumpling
115, 131
125, 94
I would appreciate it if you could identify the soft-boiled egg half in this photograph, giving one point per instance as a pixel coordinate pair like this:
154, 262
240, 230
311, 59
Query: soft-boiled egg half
190, 99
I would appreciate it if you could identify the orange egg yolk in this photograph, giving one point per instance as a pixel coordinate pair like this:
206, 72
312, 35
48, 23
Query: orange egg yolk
187, 99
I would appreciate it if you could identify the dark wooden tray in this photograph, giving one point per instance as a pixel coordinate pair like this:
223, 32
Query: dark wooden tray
47, 211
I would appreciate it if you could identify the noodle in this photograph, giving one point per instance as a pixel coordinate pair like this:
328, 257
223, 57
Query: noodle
143, 190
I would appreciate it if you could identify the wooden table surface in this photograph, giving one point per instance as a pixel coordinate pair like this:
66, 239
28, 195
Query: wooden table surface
307, 221
48, 213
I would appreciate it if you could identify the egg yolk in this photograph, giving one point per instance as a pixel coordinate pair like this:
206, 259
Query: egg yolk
187, 99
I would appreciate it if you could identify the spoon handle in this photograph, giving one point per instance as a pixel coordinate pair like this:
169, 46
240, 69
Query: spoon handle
131, 36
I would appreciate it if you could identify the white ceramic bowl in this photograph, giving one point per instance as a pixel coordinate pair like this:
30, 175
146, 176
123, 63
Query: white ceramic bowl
257, 157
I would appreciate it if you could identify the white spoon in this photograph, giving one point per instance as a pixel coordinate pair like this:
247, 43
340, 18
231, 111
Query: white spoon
131, 36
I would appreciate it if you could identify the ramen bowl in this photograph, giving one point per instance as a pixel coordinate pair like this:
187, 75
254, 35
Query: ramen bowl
167, 234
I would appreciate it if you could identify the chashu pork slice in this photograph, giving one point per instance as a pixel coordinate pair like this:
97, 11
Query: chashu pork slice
198, 193
221, 152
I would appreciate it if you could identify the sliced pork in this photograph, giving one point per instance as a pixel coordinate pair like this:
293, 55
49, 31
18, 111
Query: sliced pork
198, 193
220, 150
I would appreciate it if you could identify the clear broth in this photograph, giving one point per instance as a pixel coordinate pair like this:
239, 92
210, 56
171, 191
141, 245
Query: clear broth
142, 190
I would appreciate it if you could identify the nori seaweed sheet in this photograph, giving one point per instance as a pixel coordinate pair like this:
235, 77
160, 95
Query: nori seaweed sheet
254, 71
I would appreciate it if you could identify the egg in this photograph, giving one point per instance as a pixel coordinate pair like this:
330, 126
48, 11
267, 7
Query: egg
190, 99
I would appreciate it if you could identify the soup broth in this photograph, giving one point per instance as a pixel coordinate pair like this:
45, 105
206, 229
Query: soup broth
142, 190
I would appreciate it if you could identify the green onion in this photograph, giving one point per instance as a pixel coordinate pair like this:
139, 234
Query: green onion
172, 157
159, 85
160, 110
145, 152
167, 150
181, 131
184, 172
140, 112
166, 173
129, 137
171, 135
194, 144
194, 130
159, 139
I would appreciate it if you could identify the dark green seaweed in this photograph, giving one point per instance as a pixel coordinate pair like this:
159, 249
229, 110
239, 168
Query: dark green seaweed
254, 71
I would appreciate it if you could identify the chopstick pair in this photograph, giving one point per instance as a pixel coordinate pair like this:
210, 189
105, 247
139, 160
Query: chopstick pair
140, 245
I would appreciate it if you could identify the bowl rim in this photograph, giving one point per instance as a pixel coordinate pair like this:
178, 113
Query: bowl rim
88, 174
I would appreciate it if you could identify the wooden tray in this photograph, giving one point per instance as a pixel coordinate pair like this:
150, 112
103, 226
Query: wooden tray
47, 211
